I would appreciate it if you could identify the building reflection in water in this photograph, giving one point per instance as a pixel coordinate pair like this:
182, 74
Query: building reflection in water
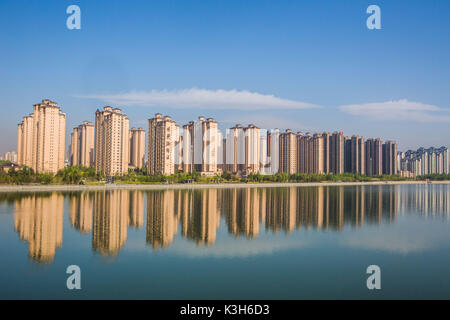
198, 212
111, 215
80, 211
136, 213
429, 200
162, 219
39, 221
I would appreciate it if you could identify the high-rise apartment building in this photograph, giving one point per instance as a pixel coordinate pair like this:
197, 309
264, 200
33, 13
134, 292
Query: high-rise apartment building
252, 149
41, 138
389, 150
82, 145
200, 146
326, 137
264, 165
357, 159
288, 152
311, 157
137, 148
235, 149
10, 156
374, 163
425, 161
273, 150
111, 141
336, 148
163, 140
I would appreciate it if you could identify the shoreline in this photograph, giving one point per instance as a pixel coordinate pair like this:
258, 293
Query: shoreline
69, 187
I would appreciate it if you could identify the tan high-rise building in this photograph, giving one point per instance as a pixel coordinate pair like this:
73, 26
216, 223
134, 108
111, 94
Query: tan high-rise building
310, 153
82, 145
288, 152
200, 146
303, 152
235, 146
111, 141
389, 158
252, 149
163, 140
41, 138
273, 150
374, 157
357, 155
326, 152
336, 159
137, 148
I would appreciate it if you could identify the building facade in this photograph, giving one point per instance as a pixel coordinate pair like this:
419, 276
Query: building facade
389, 151
200, 146
41, 138
137, 148
288, 152
82, 145
374, 164
163, 141
111, 141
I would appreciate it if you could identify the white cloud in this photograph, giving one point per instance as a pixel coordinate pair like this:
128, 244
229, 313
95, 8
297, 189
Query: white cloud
399, 110
401, 238
201, 99
239, 248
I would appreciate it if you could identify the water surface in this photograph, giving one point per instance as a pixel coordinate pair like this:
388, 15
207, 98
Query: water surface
237, 243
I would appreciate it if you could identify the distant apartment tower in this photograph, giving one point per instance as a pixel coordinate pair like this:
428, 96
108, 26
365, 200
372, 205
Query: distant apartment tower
235, 149
200, 146
374, 163
425, 161
389, 150
303, 154
163, 140
311, 155
252, 149
336, 153
41, 138
82, 145
10, 156
111, 141
357, 159
137, 148
288, 152
264, 165
273, 151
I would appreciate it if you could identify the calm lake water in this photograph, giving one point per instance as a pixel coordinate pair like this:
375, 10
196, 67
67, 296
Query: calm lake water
237, 243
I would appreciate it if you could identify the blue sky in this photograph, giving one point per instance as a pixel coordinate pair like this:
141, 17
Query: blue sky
305, 65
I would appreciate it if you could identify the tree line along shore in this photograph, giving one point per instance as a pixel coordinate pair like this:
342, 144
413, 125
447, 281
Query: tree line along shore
79, 175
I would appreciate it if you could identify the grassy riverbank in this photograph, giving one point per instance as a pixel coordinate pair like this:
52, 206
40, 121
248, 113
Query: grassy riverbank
81, 176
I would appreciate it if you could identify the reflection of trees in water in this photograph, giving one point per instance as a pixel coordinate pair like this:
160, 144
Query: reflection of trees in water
107, 214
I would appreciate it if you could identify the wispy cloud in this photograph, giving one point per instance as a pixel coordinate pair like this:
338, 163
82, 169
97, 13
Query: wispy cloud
405, 237
399, 110
201, 99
